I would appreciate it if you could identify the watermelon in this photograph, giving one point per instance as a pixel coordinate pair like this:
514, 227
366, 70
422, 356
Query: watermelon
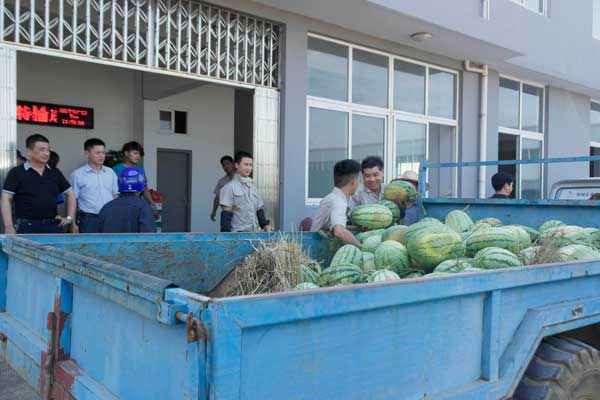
528, 255
480, 227
459, 221
495, 258
395, 233
429, 248
553, 223
368, 265
454, 265
490, 221
341, 274
424, 224
393, 207
437, 274
521, 235
568, 234
314, 265
595, 236
371, 216
305, 286
493, 237
383, 275
533, 233
307, 274
392, 255
362, 236
472, 269
371, 243
579, 252
400, 192
348, 254
414, 275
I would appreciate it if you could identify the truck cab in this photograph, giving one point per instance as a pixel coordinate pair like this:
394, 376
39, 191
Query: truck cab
575, 189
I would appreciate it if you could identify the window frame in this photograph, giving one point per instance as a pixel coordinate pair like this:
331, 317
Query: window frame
592, 143
525, 134
173, 110
389, 113
544, 12
596, 19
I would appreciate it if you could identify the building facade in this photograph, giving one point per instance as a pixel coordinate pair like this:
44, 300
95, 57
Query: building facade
303, 84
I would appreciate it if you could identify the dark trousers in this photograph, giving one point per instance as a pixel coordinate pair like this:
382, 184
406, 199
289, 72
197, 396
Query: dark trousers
26, 226
89, 223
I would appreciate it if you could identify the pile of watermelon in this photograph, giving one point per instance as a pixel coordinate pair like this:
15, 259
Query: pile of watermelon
432, 248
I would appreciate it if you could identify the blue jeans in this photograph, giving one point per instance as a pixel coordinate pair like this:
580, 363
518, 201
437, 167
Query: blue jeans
89, 223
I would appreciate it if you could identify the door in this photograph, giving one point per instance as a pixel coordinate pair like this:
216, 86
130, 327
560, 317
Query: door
173, 181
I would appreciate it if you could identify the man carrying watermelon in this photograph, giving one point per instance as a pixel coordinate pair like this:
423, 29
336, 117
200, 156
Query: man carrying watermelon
332, 214
408, 207
371, 191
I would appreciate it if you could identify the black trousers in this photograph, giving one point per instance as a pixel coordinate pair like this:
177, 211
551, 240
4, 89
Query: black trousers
26, 226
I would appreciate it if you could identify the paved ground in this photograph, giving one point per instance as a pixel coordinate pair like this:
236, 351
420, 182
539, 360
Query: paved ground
12, 386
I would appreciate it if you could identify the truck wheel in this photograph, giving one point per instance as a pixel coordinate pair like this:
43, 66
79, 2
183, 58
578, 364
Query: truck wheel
562, 369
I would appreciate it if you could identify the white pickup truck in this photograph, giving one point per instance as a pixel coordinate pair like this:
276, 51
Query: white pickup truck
575, 189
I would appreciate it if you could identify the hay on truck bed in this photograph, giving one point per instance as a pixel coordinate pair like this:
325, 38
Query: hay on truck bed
271, 268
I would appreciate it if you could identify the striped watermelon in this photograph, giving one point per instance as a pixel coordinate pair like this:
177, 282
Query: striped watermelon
307, 274
395, 233
348, 254
371, 216
495, 258
368, 265
568, 234
553, 223
493, 237
342, 274
522, 236
392, 255
429, 248
471, 269
306, 286
490, 221
528, 255
383, 275
400, 192
454, 265
414, 275
533, 233
362, 236
423, 225
579, 252
459, 221
393, 207
371, 243
596, 237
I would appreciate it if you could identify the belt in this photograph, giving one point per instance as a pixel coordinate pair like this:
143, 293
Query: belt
43, 221
87, 214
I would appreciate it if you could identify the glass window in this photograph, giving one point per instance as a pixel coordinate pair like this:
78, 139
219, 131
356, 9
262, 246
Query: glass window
507, 150
596, 19
327, 144
165, 120
508, 104
595, 122
411, 139
368, 137
594, 165
369, 78
442, 149
533, 104
535, 5
180, 122
327, 69
409, 87
531, 174
442, 93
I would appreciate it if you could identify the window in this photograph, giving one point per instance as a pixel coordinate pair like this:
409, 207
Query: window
596, 19
521, 120
539, 6
364, 102
173, 121
595, 138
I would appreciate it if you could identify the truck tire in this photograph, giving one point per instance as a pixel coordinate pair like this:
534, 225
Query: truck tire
562, 369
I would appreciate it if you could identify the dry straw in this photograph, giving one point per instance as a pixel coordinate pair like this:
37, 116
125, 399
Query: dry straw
271, 268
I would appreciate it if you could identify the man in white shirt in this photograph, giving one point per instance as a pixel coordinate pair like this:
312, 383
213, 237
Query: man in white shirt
94, 185
371, 191
332, 214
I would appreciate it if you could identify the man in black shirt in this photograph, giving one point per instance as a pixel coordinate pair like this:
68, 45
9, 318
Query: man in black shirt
34, 186
503, 184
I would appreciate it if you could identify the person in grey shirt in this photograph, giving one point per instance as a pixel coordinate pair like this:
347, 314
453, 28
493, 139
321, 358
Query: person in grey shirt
371, 191
332, 214
229, 168
243, 208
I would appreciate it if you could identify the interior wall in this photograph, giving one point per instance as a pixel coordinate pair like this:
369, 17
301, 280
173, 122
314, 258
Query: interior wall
112, 92
210, 135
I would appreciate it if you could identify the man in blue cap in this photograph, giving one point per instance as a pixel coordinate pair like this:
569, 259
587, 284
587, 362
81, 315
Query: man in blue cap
128, 213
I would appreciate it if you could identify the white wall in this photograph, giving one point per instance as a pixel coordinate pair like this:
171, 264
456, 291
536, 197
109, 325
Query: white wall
110, 91
210, 135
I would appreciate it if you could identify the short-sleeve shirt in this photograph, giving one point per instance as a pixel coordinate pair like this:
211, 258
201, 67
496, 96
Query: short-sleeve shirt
222, 182
94, 188
332, 211
364, 196
34, 194
126, 214
120, 167
411, 215
245, 201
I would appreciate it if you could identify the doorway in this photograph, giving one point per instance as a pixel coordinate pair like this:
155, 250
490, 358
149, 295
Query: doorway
174, 182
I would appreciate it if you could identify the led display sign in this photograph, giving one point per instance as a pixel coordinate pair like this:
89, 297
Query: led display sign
30, 112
